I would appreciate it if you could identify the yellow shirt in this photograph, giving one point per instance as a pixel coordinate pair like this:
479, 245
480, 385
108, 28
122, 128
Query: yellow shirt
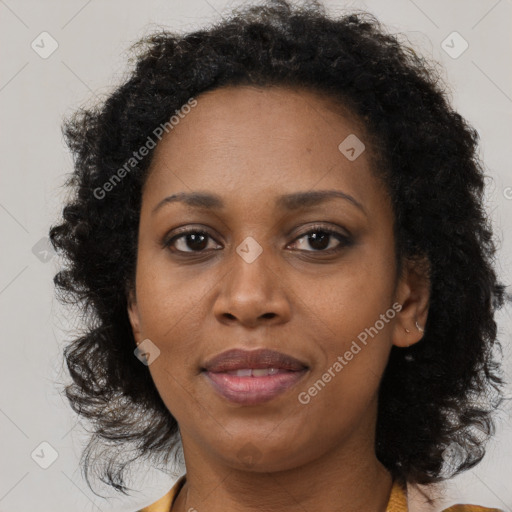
397, 501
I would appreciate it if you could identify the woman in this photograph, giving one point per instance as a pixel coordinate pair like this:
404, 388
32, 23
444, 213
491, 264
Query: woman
282, 218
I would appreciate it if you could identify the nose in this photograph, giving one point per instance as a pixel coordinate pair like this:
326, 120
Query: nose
252, 294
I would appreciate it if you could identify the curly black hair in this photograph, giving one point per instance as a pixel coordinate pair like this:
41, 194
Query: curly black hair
434, 395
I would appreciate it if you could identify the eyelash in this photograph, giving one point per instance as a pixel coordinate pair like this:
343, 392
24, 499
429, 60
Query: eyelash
343, 239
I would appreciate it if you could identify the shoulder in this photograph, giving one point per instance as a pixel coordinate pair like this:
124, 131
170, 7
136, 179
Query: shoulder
435, 494
164, 504
470, 508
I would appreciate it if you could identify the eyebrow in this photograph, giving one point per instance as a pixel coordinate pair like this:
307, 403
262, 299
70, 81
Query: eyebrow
289, 202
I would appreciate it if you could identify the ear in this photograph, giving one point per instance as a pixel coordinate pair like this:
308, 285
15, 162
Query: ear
413, 294
133, 315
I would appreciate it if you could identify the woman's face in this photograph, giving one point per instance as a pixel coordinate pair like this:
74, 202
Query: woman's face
260, 271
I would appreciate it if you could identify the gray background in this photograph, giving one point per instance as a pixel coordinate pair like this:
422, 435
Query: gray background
35, 94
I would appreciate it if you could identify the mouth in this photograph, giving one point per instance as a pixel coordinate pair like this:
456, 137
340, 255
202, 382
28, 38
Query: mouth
253, 377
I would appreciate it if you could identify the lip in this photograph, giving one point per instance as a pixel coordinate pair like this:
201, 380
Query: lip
236, 359
253, 390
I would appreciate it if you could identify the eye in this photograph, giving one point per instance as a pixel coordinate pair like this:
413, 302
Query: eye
194, 239
320, 239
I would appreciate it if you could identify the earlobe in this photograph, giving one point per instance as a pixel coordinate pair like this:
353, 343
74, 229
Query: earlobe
413, 294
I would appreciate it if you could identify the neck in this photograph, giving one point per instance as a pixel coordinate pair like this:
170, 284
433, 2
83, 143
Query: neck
347, 478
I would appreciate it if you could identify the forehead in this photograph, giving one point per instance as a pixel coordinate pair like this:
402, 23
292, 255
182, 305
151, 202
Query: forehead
251, 141
297, 115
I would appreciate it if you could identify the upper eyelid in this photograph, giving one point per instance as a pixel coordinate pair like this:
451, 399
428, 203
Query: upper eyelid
185, 231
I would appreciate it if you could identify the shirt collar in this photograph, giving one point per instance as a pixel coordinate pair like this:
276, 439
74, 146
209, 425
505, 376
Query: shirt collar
397, 499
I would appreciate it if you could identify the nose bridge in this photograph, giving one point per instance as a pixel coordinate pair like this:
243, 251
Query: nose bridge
251, 273
252, 287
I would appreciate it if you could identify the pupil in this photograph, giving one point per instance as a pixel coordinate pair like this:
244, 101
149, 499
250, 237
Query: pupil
196, 241
319, 242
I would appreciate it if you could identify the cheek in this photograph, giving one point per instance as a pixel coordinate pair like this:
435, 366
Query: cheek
352, 298
354, 317
168, 300
355, 355
169, 316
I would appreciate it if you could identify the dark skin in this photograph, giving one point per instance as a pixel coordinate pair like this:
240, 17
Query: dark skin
249, 146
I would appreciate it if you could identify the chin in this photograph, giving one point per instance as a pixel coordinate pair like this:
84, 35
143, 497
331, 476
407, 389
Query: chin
261, 454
